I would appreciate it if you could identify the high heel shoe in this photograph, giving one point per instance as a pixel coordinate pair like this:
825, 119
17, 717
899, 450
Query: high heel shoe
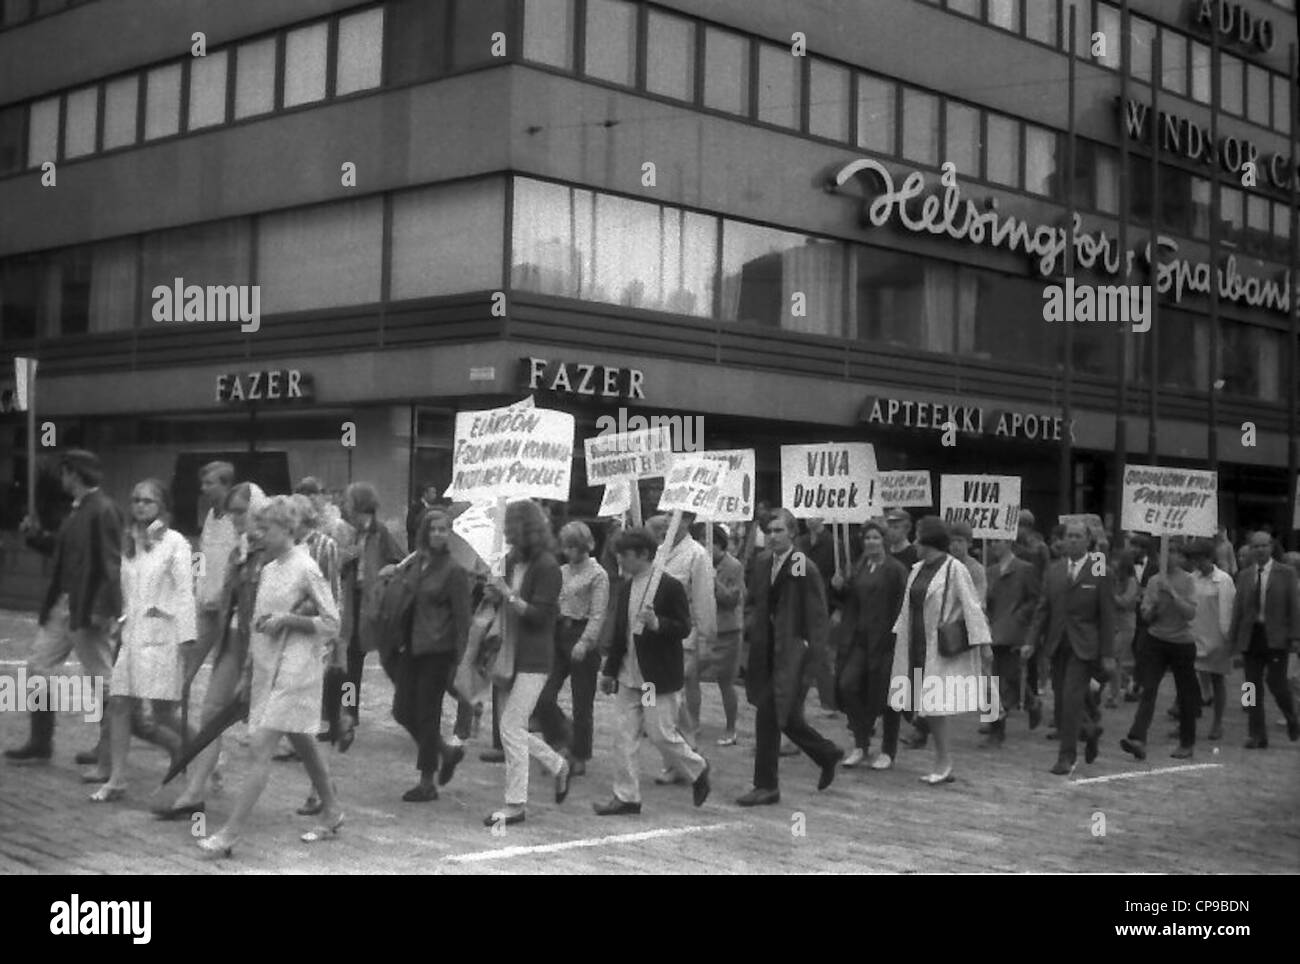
217, 846
323, 832
108, 794
934, 779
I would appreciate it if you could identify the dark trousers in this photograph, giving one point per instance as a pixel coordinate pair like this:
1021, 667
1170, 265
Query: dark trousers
557, 729
421, 683
1157, 656
1077, 712
823, 674
331, 699
864, 694
767, 736
1266, 666
499, 697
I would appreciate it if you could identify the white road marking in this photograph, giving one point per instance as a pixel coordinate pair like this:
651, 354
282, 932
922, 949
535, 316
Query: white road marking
1147, 773
505, 853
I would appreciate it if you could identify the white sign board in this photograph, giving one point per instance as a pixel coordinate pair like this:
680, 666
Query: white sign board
903, 489
24, 375
833, 481
693, 484
990, 504
1174, 502
477, 525
628, 455
736, 504
519, 452
617, 498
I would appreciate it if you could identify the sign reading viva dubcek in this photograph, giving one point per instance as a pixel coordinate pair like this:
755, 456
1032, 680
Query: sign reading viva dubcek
1174, 502
834, 481
990, 504
903, 489
513, 453
693, 484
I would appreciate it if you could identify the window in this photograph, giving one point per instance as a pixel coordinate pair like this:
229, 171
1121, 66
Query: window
1005, 14
447, 239
762, 268
414, 38
550, 238
360, 51
20, 287
963, 139
1232, 211
1281, 221
1200, 72
1096, 176
970, 8
726, 71
43, 132
909, 301
1002, 165
16, 11
1108, 24
208, 90
162, 116
1256, 235
1231, 79
304, 64
828, 100
1176, 200
1173, 61
1257, 91
320, 257
473, 25
255, 78
548, 32
1251, 361
778, 86
1143, 35
1281, 104
875, 114
121, 100
611, 41
920, 127
89, 289
1040, 160
80, 122
1083, 27
1183, 359
1041, 22
11, 139
1201, 203
1108, 180
216, 253
670, 56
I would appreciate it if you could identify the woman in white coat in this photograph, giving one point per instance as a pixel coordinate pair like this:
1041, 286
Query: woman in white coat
158, 616
939, 590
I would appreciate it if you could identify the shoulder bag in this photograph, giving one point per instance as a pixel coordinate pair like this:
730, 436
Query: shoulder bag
954, 639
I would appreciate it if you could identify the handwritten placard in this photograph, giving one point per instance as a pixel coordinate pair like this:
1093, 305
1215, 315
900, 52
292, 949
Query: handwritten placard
903, 489
834, 481
736, 503
990, 504
693, 484
628, 455
519, 452
1174, 502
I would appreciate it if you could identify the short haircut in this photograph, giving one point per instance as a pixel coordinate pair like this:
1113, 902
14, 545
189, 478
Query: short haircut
1199, 549
791, 523
309, 485
307, 513
362, 497
223, 471
577, 534
720, 535
636, 540
279, 510
872, 525
427, 486
84, 465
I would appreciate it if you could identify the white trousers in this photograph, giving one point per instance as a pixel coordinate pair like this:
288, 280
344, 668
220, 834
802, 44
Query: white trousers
660, 723
518, 743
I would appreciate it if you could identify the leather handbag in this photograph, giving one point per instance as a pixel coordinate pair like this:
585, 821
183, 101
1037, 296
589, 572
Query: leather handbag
954, 638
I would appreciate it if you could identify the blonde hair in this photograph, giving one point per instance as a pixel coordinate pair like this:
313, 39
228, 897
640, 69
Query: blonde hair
576, 533
279, 510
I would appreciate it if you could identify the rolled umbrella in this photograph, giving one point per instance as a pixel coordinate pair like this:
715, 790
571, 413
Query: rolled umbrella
228, 715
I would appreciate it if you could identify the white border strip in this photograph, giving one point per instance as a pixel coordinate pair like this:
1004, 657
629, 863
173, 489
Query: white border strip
1147, 773
505, 853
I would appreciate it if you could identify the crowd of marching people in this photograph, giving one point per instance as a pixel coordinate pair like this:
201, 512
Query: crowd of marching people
285, 596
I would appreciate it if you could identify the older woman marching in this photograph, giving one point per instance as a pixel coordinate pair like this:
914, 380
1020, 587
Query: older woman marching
286, 654
158, 615
529, 596
939, 591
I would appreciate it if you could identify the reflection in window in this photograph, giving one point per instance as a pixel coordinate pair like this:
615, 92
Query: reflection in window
360, 51
447, 239
962, 146
763, 268
304, 64
548, 32
611, 41
1041, 22
912, 302
1143, 35
1040, 160
828, 100
208, 90
670, 56
255, 78
875, 114
1005, 14
43, 132
1108, 25
1200, 72
1251, 361
320, 257
1003, 161
1173, 61
920, 126
162, 116
726, 71
80, 122
1231, 79
778, 86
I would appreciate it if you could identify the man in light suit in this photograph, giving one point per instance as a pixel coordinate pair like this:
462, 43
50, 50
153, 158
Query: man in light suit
1265, 621
1076, 617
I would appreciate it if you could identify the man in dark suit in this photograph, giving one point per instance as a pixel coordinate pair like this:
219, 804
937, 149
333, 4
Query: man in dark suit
1265, 623
644, 672
428, 499
818, 544
82, 601
1075, 617
1014, 589
787, 620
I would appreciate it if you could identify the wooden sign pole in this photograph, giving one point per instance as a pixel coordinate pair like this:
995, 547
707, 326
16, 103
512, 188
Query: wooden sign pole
656, 574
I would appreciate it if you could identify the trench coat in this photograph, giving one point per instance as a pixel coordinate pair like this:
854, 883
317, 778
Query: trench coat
798, 626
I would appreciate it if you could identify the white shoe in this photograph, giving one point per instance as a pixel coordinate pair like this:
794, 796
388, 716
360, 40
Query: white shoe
883, 761
854, 758
454, 740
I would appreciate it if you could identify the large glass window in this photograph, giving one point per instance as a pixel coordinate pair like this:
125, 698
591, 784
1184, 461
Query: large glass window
360, 51
414, 40
1097, 176
1108, 25
1231, 83
1002, 165
43, 132
305, 54
1005, 14
1041, 22
255, 78
548, 32
778, 85
1281, 104
1173, 61
970, 8
1143, 34
1008, 318
726, 71
11, 138
765, 269
1257, 234
1040, 160
1257, 94
162, 116
670, 55
320, 257
1232, 211
208, 90
611, 41
962, 146
89, 289
473, 26
205, 254
81, 122
828, 100
905, 300
875, 114
15, 11
920, 126
1083, 27
1184, 350
1200, 72
20, 288
1201, 207
121, 102
1251, 361
447, 239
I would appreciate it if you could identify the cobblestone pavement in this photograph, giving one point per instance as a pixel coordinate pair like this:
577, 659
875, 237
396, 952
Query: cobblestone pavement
1237, 811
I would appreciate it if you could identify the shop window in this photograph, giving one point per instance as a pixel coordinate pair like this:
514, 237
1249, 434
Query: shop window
1142, 36
1173, 61
1002, 164
1200, 72
206, 254
548, 32
611, 41
920, 127
726, 71
1281, 104
670, 56
1042, 22
876, 117
255, 78
360, 51
415, 33
1257, 92
162, 116
80, 122
121, 111
1108, 24
320, 257
1231, 81
11, 139
1041, 167
828, 100
1251, 361
447, 239
473, 24
43, 132
762, 268
778, 86
304, 64
962, 143
208, 90
1005, 14
20, 286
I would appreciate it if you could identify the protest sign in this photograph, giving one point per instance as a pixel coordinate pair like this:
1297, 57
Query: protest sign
902, 489
1175, 502
736, 503
990, 504
617, 499
833, 481
478, 526
518, 452
628, 455
693, 484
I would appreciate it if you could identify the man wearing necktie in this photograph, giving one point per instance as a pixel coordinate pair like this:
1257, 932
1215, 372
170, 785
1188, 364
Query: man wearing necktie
1265, 623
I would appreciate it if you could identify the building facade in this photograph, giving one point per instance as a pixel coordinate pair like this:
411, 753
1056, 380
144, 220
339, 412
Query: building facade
716, 209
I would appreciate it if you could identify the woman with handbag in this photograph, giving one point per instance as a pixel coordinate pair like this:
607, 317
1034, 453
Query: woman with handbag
944, 634
158, 614
292, 617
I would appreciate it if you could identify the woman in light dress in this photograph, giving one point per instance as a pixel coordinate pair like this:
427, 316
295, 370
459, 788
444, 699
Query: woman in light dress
158, 615
293, 617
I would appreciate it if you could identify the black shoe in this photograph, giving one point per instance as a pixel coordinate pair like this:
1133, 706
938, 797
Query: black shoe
614, 807
1255, 743
185, 812
1063, 768
1090, 748
86, 758
503, 817
421, 793
700, 788
562, 782
311, 807
1136, 747
1182, 753
1052, 734
449, 763
759, 798
35, 751
828, 770
493, 756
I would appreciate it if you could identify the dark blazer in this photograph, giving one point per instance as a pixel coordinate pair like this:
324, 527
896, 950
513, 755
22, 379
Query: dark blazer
786, 621
87, 554
534, 628
1082, 611
1013, 597
658, 652
1281, 608
822, 552
870, 606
